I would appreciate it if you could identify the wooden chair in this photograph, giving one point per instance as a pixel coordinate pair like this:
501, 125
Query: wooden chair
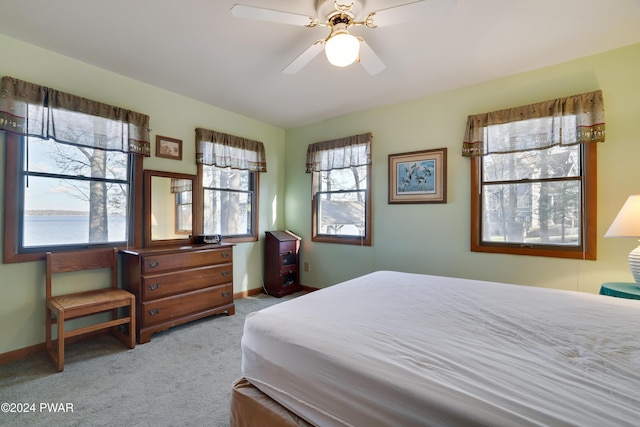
61, 308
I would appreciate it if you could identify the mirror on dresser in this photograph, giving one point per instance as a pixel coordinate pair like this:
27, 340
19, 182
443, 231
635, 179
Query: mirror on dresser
169, 208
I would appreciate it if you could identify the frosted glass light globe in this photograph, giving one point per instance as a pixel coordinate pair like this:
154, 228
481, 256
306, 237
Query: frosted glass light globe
342, 49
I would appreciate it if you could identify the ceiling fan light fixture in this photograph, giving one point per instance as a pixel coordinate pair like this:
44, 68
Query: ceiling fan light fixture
342, 49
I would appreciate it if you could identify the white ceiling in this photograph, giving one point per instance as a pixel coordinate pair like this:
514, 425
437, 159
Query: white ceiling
198, 49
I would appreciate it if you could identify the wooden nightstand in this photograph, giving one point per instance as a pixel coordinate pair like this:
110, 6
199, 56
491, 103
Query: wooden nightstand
621, 290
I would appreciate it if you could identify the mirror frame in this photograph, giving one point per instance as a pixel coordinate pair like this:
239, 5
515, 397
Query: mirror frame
195, 218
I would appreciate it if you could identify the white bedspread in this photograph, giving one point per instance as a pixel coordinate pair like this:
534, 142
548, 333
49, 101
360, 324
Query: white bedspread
401, 349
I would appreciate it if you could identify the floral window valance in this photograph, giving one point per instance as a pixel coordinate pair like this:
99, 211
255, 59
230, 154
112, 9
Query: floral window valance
339, 153
32, 110
563, 121
228, 151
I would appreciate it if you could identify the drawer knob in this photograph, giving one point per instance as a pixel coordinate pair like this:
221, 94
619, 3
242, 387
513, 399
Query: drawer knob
154, 286
225, 294
153, 263
154, 312
225, 254
225, 273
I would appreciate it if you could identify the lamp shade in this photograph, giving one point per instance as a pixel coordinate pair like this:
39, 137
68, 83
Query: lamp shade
342, 49
627, 223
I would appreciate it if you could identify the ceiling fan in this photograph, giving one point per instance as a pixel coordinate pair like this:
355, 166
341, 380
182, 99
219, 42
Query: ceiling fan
342, 48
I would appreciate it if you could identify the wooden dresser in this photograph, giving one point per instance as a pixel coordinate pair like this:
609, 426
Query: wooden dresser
177, 285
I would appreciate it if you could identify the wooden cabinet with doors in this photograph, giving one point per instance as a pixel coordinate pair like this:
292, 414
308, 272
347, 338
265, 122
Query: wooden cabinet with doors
281, 250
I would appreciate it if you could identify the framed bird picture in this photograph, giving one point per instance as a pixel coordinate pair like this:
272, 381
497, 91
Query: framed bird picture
418, 177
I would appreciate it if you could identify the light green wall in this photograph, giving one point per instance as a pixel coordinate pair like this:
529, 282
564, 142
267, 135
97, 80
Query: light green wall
434, 239
172, 115
431, 239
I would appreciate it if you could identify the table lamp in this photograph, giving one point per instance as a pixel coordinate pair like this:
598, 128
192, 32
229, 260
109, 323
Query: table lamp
627, 224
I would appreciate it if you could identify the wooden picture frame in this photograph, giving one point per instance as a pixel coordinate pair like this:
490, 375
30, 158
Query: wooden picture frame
168, 148
418, 177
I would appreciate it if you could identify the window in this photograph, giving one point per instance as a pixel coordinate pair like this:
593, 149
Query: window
72, 196
536, 201
229, 201
533, 180
341, 190
182, 189
68, 186
228, 173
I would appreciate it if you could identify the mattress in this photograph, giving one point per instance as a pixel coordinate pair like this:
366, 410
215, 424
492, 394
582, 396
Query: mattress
402, 349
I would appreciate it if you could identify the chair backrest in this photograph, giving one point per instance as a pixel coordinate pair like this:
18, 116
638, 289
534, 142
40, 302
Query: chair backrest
64, 262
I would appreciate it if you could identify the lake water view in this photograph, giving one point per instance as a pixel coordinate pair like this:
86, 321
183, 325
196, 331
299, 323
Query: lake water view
42, 230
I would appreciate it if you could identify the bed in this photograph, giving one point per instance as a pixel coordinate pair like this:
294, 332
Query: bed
402, 349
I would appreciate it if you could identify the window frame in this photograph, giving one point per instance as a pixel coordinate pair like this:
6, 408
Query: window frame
588, 248
255, 211
178, 204
12, 205
365, 240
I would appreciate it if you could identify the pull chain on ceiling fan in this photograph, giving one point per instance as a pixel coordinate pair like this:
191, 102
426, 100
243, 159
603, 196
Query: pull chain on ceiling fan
342, 48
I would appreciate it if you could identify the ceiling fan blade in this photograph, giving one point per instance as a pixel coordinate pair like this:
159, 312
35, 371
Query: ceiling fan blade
410, 12
304, 58
261, 14
369, 59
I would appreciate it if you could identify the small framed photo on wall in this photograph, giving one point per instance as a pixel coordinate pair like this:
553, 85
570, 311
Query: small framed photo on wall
169, 148
418, 177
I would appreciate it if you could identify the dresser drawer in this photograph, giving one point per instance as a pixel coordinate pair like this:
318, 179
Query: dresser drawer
152, 264
175, 307
177, 282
